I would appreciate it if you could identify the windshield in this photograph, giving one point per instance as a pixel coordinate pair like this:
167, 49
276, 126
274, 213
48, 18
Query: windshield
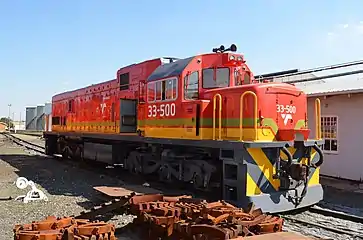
221, 80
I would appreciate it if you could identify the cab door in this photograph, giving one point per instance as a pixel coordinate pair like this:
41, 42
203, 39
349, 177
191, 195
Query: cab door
190, 120
191, 105
128, 115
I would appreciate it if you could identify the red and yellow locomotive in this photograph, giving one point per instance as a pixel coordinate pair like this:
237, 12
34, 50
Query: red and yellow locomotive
203, 120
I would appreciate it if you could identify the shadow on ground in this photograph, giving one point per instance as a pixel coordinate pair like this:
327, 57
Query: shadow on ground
342, 201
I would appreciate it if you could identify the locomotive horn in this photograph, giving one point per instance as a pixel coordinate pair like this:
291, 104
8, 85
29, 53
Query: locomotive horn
220, 49
232, 48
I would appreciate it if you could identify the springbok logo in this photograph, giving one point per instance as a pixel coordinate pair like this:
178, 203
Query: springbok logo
102, 105
286, 117
286, 112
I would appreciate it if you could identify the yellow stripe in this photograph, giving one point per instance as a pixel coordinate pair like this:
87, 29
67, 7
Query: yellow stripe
314, 180
292, 150
265, 166
251, 186
172, 132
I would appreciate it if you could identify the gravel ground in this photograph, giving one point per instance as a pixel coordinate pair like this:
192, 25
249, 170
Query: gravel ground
69, 194
64, 185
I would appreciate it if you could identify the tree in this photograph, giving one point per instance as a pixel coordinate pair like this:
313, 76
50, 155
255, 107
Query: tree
8, 121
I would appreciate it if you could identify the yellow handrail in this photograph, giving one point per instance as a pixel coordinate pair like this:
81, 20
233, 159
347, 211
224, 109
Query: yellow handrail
317, 119
214, 116
241, 113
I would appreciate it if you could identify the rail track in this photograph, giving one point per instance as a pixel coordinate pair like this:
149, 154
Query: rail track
28, 145
106, 169
318, 221
118, 203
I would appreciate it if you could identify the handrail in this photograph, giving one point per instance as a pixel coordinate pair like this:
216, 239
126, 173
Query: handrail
141, 93
241, 114
317, 118
220, 116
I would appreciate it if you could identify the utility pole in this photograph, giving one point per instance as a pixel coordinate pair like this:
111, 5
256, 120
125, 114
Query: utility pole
13, 120
9, 105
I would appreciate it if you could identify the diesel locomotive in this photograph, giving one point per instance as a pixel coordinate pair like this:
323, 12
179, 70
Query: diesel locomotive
205, 121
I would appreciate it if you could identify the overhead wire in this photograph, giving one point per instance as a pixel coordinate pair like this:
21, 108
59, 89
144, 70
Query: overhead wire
296, 72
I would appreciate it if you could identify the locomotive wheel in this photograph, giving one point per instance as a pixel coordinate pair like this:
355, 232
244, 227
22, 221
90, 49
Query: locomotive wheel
198, 181
65, 153
77, 152
164, 174
132, 163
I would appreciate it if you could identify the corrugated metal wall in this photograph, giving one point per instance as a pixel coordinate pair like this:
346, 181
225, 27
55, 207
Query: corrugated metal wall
35, 119
30, 116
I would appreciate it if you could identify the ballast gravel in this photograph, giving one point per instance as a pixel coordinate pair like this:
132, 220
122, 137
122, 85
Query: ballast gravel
321, 233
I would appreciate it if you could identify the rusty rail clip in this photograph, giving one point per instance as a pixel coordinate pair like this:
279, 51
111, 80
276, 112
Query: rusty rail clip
67, 228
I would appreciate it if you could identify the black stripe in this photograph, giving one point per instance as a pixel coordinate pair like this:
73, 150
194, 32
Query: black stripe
257, 175
299, 153
271, 154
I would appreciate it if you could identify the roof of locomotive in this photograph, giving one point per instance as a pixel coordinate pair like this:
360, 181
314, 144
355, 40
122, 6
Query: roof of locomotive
170, 69
165, 70
177, 67
67, 94
70, 93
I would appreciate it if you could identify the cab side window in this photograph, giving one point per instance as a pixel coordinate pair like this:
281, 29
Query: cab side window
151, 92
124, 81
247, 78
237, 78
170, 89
191, 86
240, 79
159, 91
163, 90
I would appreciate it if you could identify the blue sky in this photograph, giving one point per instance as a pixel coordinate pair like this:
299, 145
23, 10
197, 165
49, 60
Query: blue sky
47, 47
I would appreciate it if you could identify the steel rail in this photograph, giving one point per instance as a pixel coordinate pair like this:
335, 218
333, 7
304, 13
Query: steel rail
28, 145
335, 214
324, 226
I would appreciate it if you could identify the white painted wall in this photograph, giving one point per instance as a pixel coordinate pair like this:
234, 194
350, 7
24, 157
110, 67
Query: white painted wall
348, 161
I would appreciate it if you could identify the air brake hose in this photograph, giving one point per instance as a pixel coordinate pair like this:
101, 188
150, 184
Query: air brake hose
321, 156
289, 156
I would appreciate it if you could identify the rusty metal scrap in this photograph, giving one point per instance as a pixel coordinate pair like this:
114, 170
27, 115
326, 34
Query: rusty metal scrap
176, 217
188, 218
67, 228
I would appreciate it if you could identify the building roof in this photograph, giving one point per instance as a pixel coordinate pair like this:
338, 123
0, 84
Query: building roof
329, 86
333, 86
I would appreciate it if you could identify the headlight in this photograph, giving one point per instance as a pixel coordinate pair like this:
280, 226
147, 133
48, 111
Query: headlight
231, 57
